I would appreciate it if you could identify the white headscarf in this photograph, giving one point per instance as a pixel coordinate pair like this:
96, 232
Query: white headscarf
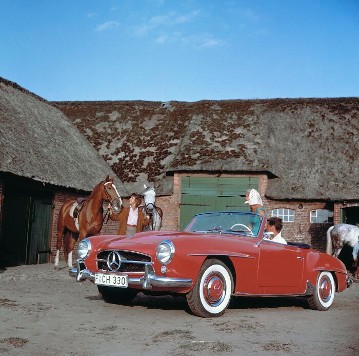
254, 198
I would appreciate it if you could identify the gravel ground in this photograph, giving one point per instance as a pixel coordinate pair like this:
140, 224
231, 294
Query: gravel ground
43, 311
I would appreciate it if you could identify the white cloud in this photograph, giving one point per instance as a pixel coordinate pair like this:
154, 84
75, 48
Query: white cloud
172, 18
160, 21
159, 26
199, 41
210, 42
106, 26
250, 15
205, 41
161, 39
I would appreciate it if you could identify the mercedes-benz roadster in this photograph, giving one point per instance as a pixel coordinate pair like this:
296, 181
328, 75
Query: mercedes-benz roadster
219, 254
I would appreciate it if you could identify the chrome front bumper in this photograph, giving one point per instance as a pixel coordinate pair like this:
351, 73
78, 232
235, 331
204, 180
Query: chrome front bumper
147, 281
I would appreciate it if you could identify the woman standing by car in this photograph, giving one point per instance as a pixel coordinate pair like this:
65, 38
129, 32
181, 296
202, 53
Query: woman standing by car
254, 200
131, 218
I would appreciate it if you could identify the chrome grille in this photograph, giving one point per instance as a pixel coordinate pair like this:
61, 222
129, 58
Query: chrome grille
130, 261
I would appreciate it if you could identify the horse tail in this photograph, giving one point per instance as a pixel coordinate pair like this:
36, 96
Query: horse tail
329, 241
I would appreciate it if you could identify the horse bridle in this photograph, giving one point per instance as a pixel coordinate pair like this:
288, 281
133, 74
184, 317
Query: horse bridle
110, 201
108, 195
149, 212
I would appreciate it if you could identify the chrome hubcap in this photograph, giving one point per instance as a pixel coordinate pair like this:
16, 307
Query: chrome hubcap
214, 289
325, 289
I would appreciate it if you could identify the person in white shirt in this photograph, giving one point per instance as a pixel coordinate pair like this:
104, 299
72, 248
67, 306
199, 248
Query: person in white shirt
274, 226
131, 218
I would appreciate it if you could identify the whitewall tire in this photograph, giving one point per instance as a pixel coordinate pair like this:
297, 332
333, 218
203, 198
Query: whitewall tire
212, 292
323, 296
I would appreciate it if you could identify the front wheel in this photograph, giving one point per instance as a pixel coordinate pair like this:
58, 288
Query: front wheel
116, 294
212, 292
323, 296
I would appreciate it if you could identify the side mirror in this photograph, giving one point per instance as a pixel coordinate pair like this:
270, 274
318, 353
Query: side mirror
267, 235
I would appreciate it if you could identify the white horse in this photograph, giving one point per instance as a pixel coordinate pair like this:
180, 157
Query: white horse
155, 213
339, 235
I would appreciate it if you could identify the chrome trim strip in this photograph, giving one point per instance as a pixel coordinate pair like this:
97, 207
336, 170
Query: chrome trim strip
148, 281
229, 254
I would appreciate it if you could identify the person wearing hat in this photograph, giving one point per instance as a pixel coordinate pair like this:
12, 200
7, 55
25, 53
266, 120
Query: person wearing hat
254, 200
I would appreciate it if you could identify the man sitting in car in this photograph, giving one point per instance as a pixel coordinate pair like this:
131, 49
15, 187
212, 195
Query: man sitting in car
274, 227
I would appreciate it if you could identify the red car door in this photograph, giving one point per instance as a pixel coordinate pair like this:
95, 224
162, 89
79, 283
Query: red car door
280, 268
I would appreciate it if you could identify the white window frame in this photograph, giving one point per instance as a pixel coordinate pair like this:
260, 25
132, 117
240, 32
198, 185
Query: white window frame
314, 216
287, 215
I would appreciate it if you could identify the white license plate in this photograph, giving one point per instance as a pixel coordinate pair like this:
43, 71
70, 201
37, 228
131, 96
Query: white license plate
111, 280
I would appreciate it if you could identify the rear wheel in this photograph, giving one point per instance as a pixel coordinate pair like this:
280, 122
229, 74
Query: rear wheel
115, 294
323, 296
212, 292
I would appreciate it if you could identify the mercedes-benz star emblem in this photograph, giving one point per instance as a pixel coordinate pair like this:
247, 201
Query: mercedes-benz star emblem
114, 261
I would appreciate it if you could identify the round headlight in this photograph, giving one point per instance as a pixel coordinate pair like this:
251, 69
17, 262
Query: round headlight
165, 252
84, 248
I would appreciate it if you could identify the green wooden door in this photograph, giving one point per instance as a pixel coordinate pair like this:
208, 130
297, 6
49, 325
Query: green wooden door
200, 194
39, 229
25, 226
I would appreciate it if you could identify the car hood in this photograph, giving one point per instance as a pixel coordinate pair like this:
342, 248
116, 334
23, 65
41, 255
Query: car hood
143, 241
147, 242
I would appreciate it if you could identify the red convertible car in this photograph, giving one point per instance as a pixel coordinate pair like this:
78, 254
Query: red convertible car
219, 254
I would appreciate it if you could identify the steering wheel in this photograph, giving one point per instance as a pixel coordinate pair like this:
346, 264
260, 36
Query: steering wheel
242, 225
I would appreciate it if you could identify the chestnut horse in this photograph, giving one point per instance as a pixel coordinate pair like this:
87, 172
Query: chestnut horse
154, 212
79, 220
339, 235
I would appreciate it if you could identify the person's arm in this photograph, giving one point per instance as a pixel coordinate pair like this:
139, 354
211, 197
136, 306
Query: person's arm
114, 217
262, 212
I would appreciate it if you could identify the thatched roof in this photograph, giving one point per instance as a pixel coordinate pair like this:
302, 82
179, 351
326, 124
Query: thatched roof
39, 142
311, 145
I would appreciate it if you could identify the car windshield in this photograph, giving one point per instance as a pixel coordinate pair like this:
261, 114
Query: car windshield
226, 222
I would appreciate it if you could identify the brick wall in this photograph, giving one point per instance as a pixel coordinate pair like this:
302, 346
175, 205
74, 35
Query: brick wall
302, 230
59, 199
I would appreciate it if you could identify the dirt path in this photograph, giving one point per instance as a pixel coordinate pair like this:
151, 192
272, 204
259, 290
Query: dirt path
45, 312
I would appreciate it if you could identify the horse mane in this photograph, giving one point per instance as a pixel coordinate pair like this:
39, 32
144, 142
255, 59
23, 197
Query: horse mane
94, 191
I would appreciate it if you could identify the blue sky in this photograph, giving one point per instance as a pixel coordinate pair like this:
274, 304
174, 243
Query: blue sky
185, 50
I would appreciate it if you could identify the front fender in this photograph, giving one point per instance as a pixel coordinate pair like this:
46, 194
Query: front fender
317, 262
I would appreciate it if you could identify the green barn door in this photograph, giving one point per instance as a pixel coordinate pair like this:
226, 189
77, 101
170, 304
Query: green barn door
200, 194
39, 229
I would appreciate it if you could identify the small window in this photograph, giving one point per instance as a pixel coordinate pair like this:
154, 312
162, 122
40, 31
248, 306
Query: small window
286, 214
321, 216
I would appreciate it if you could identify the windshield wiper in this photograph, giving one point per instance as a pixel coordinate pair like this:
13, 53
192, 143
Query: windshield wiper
215, 229
238, 231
